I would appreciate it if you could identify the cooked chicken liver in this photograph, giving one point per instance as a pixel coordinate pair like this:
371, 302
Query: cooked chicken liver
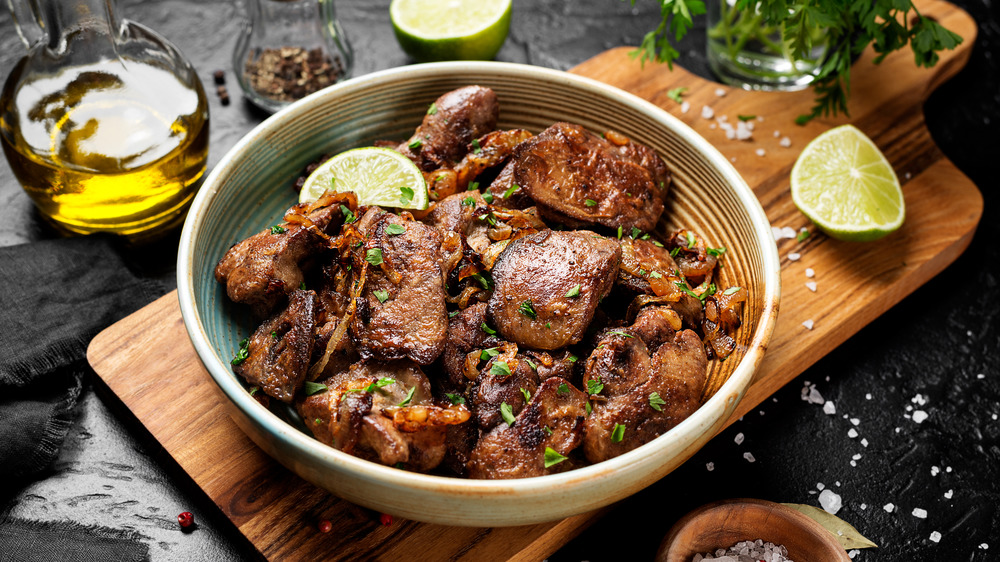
450, 124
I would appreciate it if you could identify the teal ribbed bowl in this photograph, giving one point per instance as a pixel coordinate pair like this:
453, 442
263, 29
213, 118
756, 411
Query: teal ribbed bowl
251, 188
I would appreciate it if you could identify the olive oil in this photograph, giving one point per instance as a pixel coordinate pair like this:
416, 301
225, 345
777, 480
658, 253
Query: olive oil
114, 146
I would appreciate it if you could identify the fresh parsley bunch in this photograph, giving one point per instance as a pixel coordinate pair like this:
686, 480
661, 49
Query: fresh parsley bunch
851, 25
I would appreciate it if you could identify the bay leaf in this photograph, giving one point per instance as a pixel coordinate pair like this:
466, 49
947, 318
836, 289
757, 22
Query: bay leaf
846, 535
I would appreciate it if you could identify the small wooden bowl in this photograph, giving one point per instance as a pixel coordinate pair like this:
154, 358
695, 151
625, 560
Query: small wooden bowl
724, 523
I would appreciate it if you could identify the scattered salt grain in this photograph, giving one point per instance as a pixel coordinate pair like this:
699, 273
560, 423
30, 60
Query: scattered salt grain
711, 126
739, 438
777, 134
852, 433
811, 285
707, 112
984, 546
898, 429
808, 324
750, 125
919, 416
994, 416
743, 132
820, 486
980, 376
794, 256
810, 394
760, 118
749, 456
947, 469
788, 232
857, 456
935, 471
810, 274
723, 118
908, 175
733, 159
935, 536
830, 501
919, 513
863, 506
785, 142
720, 92
864, 442
829, 408
710, 466
685, 106
746, 550
889, 507
949, 494
852, 553
837, 483
909, 408
919, 399
868, 396
760, 152
855, 422
854, 463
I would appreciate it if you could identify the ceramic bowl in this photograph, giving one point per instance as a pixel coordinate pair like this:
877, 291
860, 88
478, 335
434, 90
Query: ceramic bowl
724, 523
250, 189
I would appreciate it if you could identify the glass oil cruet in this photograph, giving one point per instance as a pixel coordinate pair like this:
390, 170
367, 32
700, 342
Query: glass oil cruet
104, 122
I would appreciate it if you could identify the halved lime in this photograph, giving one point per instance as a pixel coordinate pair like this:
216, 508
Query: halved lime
845, 185
377, 176
435, 30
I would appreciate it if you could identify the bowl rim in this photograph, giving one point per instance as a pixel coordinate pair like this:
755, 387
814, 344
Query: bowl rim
688, 430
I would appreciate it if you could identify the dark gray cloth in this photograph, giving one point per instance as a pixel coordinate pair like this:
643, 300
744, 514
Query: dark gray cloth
30, 541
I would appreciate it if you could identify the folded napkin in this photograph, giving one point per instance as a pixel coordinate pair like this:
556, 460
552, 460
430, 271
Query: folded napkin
55, 296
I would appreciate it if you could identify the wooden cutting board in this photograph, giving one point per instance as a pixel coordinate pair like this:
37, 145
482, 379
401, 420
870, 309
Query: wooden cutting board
148, 361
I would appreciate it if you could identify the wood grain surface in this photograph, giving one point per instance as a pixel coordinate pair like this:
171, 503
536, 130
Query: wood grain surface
146, 357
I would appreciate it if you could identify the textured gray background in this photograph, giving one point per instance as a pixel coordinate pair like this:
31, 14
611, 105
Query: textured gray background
935, 344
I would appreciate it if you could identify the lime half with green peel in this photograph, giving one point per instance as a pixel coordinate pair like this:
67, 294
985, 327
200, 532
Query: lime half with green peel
437, 30
377, 176
845, 185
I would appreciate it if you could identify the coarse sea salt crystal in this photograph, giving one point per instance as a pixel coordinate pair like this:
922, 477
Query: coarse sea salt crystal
857, 456
810, 273
820, 486
980, 376
777, 134
854, 463
720, 92
707, 112
788, 232
808, 324
733, 159
829, 408
785, 142
863, 506
935, 536
749, 456
710, 466
919, 416
794, 256
935, 470
919, 399
852, 433
994, 416
830, 501
949, 494
864, 442
760, 152
743, 131
919, 513
852, 553
685, 106
984, 546
855, 421
711, 126
947, 469
811, 285
868, 396
889, 507
739, 438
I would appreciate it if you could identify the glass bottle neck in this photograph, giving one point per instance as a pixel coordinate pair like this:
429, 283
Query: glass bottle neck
60, 19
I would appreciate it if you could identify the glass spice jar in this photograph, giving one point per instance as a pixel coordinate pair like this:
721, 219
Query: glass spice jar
289, 49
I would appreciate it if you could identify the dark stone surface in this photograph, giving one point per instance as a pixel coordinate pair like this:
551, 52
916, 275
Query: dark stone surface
938, 351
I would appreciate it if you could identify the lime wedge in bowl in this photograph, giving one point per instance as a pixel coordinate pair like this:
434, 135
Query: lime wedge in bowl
845, 185
438, 30
377, 176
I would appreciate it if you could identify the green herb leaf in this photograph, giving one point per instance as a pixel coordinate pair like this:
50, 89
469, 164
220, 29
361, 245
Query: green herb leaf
847, 536
574, 292
676, 94
487, 329
507, 413
473, 185
619, 333
619, 232
485, 354
432, 109
243, 352
313, 388
746, 117
254, 390
349, 216
405, 195
730, 290
716, 251
573, 358
475, 146
302, 285
510, 191
409, 396
595, 386
374, 256
657, 243
589, 408
563, 388
802, 235
552, 457
278, 229
500, 369
484, 280
636, 232
453, 313
531, 364
455, 399
415, 144
528, 310
590, 202
526, 394
690, 238
469, 201
381, 294
395, 229
655, 274
547, 430
317, 421
488, 197
618, 433
548, 325
655, 401
674, 252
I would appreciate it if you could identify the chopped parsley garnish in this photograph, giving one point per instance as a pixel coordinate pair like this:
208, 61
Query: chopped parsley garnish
469, 201
455, 399
657, 243
500, 369
563, 389
349, 216
572, 358
655, 274
483, 280
690, 238
432, 109
746, 117
317, 421
589, 408
531, 364
488, 197
507, 413
415, 144
685, 289
274, 335
409, 396
595, 386
527, 310
655, 401
395, 229
405, 195
473, 185
243, 352
384, 381
548, 325
475, 146
314, 388
620, 333
278, 229
802, 235
674, 252
374, 256
381, 294
526, 394
590, 202
676, 94
302, 285
552, 457
547, 430
618, 433
485, 354
510, 191
708, 292
574, 292
642, 272
254, 390
716, 251
731, 290
487, 329
636, 232
453, 313
619, 233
